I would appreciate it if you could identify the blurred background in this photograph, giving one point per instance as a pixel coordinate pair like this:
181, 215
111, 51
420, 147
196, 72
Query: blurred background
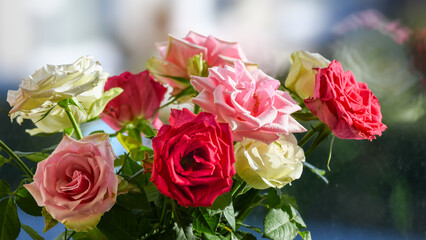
376, 190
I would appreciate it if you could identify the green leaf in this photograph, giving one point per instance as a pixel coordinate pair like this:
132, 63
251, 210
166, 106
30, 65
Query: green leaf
45, 114
274, 201
277, 226
245, 236
98, 106
26, 202
75, 102
229, 215
134, 200
69, 131
304, 116
92, 234
60, 236
124, 186
306, 235
296, 218
119, 223
33, 233
177, 79
43, 151
37, 157
209, 236
256, 229
204, 223
9, 221
319, 172
147, 129
130, 167
183, 233
245, 203
49, 221
4, 189
144, 226
221, 202
3, 160
323, 132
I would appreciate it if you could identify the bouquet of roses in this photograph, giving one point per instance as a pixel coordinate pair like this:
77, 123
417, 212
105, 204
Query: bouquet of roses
197, 174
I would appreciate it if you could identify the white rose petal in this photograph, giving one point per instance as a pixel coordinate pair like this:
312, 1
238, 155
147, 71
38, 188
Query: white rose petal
274, 165
40, 93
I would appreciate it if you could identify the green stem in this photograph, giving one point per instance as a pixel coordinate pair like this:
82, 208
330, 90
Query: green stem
17, 159
136, 174
74, 123
308, 135
163, 213
239, 189
70, 236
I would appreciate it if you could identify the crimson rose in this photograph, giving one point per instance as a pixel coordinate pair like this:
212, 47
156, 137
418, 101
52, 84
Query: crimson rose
193, 158
348, 107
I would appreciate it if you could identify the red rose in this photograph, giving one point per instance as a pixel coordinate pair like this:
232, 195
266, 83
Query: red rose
193, 158
348, 107
141, 97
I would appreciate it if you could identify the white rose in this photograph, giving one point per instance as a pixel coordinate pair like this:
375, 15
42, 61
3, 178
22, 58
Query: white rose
38, 95
274, 165
301, 78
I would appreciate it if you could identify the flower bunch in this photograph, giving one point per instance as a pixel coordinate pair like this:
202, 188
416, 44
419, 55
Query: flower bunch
198, 174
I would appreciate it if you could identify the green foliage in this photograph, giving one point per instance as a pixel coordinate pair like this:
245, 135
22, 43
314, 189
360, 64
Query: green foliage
319, 172
37, 157
26, 202
3, 160
323, 132
31, 232
278, 226
4, 189
119, 223
399, 203
134, 200
49, 221
229, 215
204, 223
92, 234
185, 233
306, 235
9, 221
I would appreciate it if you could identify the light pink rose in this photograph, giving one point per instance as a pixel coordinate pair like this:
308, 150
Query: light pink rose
76, 183
249, 101
177, 51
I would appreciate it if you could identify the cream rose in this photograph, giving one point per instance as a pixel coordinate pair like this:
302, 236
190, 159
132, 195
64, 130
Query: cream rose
38, 96
301, 78
274, 165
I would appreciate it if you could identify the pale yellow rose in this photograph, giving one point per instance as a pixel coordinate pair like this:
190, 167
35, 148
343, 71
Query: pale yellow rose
301, 78
274, 165
38, 96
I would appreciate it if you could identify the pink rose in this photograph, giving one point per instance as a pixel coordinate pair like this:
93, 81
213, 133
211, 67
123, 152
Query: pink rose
140, 99
193, 158
176, 53
348, 107
249, 101
77, 183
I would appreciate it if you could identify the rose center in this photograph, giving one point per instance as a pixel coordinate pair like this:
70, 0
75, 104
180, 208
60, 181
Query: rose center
79, 183
187, 161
